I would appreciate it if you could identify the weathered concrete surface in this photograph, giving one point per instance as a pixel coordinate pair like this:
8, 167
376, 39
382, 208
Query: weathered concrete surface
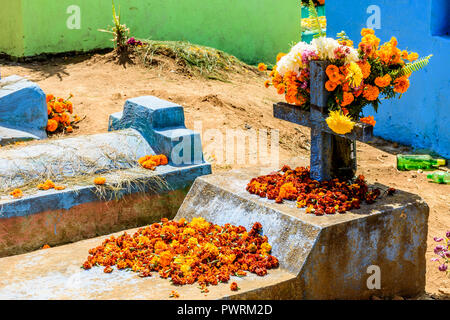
329, 254
23, 106
55, 274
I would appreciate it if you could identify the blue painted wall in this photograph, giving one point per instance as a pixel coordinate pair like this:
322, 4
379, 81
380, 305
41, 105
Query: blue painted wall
422, 117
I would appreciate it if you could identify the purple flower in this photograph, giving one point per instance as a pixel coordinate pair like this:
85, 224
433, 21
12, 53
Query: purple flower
438, 249
443, 267
435, 259
304, 85
448, 234
438, 239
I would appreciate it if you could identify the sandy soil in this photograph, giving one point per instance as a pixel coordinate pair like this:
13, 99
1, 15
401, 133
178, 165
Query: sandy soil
100, 87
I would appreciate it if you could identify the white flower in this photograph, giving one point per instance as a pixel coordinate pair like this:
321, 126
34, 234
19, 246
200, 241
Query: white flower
327, 46
293, 60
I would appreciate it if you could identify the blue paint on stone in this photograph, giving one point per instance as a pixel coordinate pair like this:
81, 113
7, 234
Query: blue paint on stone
422, 117
23, 106
162, 124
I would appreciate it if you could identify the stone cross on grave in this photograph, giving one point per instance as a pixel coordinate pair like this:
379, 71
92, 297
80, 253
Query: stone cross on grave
332, 155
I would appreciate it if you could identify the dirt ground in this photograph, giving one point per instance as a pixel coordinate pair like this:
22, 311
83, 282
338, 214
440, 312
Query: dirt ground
100, 88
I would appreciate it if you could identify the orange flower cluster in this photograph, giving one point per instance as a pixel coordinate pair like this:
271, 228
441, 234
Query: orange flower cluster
369, 120
59, 110
401, 84
234, 286
16, 193
197, 251
151, 162
327, 197
49, 184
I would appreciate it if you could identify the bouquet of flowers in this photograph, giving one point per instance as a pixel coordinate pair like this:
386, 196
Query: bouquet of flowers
59, 112
356, 76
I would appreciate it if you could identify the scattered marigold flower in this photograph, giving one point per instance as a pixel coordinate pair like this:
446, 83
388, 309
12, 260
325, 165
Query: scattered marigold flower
174, 294
16, 193
108, 269
152, 161
99, 180
46, 246
234, 286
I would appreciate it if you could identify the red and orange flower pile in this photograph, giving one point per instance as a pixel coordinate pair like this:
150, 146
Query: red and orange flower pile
328, 197
187, 252
59, 112
151, 162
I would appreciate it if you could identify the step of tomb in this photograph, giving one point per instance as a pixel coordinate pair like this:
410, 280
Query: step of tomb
55, 273
11, 136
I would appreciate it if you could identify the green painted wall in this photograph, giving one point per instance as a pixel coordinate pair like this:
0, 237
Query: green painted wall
253, 30
11, 27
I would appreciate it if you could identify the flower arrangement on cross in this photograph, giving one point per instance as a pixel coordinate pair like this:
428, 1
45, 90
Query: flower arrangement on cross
357, 77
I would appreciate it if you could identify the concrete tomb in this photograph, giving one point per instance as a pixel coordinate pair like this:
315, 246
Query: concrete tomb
132, 197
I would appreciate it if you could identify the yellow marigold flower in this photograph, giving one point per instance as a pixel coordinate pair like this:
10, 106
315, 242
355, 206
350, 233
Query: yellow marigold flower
192, 242
185, 268
16, 193
199, 223
366, 31
339, 123
266, 247
355, 75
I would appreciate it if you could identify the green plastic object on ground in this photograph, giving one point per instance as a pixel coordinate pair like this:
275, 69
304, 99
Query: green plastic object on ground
407, 162
440, 177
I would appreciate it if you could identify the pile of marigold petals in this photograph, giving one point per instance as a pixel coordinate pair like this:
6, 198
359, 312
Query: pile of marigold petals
198, 251
152, 161
327, 197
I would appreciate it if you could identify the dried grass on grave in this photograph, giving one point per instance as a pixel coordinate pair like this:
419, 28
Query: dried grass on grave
122, 171
191, 59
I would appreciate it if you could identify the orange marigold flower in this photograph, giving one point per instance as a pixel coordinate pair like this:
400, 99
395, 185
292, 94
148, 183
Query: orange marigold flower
365, 68
49, 110
401, 84
60, 187
234, 286
99, 180
16, 193
366, 31
52, 125
369, 120
332, 70
45, 246
58, 107
330, 85
50, 97
383, 81
371, 92
281, 89
412, 56
267, 83
174, 294
69, 129
262, 67
280, 55
348, 98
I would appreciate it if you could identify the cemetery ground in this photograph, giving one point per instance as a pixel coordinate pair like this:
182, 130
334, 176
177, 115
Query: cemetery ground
233, 100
